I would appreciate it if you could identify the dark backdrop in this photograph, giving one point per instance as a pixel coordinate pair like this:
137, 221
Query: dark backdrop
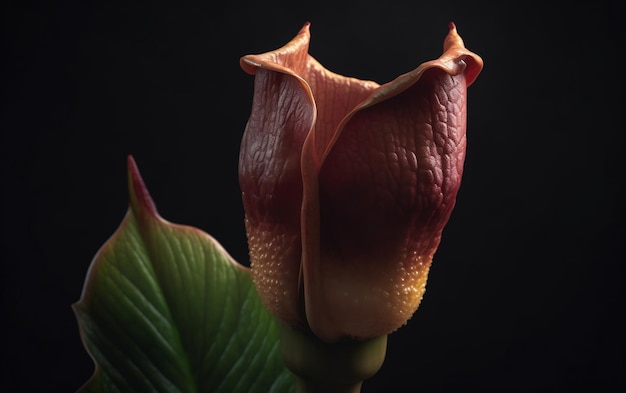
526, 291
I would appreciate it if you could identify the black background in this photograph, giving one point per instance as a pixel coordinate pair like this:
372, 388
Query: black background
526, 291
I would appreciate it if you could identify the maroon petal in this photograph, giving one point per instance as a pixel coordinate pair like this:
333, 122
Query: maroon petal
293, 95
283, 113
377, 195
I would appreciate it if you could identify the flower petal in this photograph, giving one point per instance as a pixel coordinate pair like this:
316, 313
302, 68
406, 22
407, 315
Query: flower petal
293, 94
376, 201
334, 96
283, 113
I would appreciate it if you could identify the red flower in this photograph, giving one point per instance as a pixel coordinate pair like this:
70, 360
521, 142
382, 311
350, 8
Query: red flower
347, 185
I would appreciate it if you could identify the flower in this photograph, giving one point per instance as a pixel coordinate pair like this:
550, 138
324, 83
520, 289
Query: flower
347, 185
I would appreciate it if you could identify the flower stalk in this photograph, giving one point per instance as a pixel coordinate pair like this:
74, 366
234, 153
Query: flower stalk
340, 367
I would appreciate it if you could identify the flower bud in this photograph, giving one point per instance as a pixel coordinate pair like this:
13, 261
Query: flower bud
347, 185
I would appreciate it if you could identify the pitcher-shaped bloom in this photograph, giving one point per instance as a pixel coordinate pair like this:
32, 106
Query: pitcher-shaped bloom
347, 185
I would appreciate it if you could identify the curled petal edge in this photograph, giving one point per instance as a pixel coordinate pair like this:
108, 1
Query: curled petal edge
455, 60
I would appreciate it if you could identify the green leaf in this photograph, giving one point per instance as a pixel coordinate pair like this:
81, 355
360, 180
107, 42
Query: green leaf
165, 309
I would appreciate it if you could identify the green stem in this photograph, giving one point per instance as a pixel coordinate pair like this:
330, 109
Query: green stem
331, 368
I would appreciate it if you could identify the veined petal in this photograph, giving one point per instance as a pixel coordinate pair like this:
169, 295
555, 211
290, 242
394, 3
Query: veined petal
377, 194
282, 115
271, 185
293, 94
333, 96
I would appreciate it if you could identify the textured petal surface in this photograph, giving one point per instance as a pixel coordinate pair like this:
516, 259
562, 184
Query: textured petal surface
293, 94
271, 184
388, 180
283, 113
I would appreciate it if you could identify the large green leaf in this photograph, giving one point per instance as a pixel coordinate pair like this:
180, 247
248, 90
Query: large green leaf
165, 309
